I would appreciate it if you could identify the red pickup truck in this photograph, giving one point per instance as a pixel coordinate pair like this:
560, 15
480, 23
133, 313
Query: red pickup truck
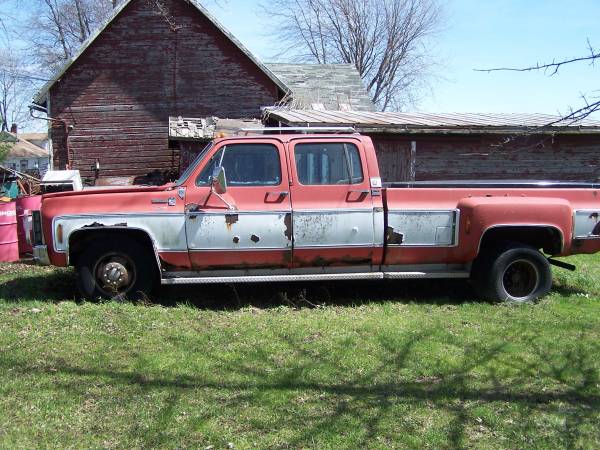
296, 207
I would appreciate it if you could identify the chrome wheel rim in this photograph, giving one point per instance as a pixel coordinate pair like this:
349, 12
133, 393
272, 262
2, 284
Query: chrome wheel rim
520, 279
114, 274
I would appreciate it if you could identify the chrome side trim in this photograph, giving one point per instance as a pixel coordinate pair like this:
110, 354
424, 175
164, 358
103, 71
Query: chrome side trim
334, 210
172, 280
341, 247
296, 247
424, 275
228, 212
327, 270
274, 278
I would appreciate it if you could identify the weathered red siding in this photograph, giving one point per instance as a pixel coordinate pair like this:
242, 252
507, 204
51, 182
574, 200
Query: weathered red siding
463, 157
142, 69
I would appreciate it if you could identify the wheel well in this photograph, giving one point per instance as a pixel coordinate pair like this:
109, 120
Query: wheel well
547, 238
80, 239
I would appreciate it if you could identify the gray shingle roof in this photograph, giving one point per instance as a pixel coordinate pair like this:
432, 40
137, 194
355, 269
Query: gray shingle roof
334, 86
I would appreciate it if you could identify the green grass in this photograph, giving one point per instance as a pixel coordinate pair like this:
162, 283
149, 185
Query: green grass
344, 365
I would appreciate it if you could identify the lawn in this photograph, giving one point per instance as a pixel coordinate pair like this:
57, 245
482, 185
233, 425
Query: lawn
343, 365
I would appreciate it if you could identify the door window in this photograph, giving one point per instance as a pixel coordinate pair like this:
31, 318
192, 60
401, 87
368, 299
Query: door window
245, 165
328, 163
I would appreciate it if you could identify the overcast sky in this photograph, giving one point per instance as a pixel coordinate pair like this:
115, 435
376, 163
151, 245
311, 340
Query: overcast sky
482, 34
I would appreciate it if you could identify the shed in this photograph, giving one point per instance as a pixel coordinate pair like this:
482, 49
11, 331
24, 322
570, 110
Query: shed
461, 146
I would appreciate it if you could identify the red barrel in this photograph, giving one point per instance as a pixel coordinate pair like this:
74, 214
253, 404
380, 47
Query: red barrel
9, 244
24, 206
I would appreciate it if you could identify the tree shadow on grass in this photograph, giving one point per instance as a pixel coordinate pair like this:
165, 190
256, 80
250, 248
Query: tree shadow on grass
42, 284
310, 396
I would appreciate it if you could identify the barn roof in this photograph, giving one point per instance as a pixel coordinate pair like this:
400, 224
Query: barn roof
40, 97
407, 122
324, 86
22, 148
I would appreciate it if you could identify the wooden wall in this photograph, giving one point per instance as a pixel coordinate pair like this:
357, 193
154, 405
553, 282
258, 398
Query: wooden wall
145, 67
474, 157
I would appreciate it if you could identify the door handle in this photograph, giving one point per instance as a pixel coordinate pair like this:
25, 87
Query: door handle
360, 194
279, 196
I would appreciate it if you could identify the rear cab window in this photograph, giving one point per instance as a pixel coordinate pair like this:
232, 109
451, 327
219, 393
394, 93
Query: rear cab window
328, 163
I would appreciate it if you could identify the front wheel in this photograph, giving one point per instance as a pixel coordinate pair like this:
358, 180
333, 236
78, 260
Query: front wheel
116, 269
515, 273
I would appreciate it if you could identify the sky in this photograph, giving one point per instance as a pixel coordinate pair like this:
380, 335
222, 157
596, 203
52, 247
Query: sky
484, 34
475, 34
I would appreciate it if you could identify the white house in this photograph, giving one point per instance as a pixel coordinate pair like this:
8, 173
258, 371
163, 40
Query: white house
29, 153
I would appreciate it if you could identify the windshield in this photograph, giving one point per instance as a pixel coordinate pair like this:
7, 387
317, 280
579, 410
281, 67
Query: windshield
185, 175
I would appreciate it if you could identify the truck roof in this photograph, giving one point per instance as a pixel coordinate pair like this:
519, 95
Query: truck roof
290, 137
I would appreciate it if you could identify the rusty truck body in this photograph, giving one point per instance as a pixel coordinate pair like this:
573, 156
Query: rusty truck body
302, 207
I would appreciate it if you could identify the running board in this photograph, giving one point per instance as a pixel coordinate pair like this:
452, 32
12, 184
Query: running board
170, 280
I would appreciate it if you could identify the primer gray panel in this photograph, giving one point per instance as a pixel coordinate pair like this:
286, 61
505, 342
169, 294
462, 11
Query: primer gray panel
586, 224
167, 231
333, 228
234, 231
427, 228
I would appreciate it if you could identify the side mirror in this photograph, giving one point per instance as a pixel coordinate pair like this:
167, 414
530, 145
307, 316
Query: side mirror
218, 180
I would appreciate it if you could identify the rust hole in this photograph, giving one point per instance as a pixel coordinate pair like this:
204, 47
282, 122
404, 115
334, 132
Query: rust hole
392, 237
287, 221
254, 238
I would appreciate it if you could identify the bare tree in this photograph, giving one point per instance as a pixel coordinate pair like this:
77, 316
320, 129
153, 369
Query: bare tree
16, 87
590, 105
62, 26
386, 40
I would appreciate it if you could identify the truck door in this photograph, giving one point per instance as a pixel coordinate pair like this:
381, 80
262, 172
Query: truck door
331, 202
257, 233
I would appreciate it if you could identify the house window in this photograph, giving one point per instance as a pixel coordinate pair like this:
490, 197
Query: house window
24, 164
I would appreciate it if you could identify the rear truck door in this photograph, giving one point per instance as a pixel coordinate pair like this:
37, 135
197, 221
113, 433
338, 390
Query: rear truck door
257, 232
332, 204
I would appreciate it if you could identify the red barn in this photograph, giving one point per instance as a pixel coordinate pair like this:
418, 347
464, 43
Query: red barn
112, 101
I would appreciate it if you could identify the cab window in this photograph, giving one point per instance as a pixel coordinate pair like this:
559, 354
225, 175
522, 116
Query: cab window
245, 165
328, 163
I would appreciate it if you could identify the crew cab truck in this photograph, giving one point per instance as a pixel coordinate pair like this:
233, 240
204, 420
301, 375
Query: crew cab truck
294, 207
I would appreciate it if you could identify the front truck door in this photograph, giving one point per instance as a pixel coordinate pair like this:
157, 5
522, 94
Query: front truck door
257, 233
332, 204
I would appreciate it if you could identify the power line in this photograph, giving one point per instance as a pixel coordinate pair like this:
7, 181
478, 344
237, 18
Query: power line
23, 75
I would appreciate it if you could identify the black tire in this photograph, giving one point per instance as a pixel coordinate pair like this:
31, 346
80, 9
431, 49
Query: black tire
513, 273
116, 269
